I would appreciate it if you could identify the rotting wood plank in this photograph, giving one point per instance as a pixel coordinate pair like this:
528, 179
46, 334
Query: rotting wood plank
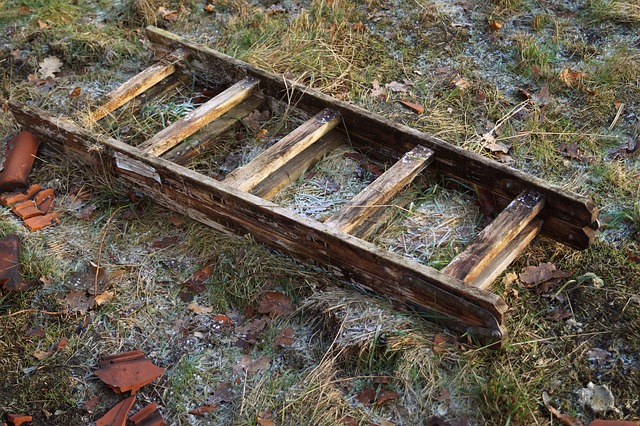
383, 189
199, 117
133, 87
569, 218
439, 297
245, 178
493, 239
507, 255
207, 136
293, 169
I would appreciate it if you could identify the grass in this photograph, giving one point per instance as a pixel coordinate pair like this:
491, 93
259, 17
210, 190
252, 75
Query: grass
343, 339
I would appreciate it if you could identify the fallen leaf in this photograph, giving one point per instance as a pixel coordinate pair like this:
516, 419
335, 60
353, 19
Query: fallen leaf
90, 404
460, 83
533, 275
497, 147
624, 150
168, 15
49, 66
565, 419
177, 220
252, 326
572, 150
222, 393
62, 343
558, 314
417, 108
276, 303
86, 213
251, 366
75, 92
209, 8
568, 76
386, 395
495, 25
193, 306
347, 421
366, 396
285, 338
164, 243
542, 97
104, 297
42, 354
439, 342
202, 410
42, 25
79, 301
264, 418
36, 332
394, 86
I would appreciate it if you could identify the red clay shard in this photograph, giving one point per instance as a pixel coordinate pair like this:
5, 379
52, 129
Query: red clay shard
14, 198
148, 416
44, 200
128, 371
117, 416
10, 279
26, 210
20, 153
18, 419
36, 223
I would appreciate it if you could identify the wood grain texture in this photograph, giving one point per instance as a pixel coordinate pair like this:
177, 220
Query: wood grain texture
133, 87
438, 297
493, 239
245, 178
199, 117
569, 218
376, 195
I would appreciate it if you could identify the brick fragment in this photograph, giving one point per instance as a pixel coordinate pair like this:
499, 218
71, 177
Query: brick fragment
18, 419
10, 279
117, 416
20, 153
36, 223
44, 200
128, 371
148, 416
26, 209
15, 198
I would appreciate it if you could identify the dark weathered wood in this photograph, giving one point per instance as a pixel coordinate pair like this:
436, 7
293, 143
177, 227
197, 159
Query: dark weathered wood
207, 136
507, 255
199, 117
293, 169
568, 218
441, 298
245, 178
380, 191
132, 88
493, 239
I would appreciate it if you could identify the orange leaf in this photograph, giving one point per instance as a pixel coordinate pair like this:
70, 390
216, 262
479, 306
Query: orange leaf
495, 25
203, 409
568, 77
276, 303
63, 343
75, 92
386, 395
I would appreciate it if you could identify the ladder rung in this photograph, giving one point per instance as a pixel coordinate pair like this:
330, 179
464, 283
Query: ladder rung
247, 177
383, 189
493, 239
207, 136
199, 117
133, 87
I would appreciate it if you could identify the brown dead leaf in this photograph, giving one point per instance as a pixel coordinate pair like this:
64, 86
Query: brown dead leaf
395, 86
285, 338
275, 303
568, 76
168, 15
177, 220
90, 404
439, 343
533, 275
104, 297
347, 421
36, 332
222, 393
62, 343
624, 150
497, 147
79, 301
251, 366
460, 83
565, 419
386, 395
43, 354
49, 67
86, 212
542, 97
509, 278
193, 306
203, 409
252, 328
164, 243
42, 25
265, 418
558, 314
495, 25
378, 92
366, 396
75, 92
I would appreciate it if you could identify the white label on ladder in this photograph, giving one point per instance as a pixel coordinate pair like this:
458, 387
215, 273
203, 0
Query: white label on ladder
136, 166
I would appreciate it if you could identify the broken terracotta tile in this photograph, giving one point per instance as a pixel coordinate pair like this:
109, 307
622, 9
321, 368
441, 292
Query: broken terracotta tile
117, 416
128, 371
18, 197
20, 153
613, 423
10, 279
26, 210
148, 416
44, 200
18, 419
36, 223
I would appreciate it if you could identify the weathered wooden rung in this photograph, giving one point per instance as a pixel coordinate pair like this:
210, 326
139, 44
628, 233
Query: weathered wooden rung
507, 255
199, 117
135, 86
493, 239
187, 150
377, 194
245, 178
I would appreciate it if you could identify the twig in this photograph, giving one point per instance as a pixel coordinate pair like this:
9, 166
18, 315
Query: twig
25, 311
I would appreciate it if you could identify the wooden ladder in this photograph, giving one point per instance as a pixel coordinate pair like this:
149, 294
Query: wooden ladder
455, 296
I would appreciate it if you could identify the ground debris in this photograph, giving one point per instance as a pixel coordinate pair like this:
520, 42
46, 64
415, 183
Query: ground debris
128, 371
117, 416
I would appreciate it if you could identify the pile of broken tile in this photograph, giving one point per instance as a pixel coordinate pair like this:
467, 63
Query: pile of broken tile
124, 372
